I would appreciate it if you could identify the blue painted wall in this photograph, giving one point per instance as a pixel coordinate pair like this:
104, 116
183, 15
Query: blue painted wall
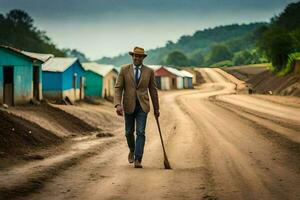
68, 76
190, 81
52, 81
158, 81
59, 81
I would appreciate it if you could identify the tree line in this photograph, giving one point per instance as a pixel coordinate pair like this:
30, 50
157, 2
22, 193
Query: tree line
277, 42
17, 30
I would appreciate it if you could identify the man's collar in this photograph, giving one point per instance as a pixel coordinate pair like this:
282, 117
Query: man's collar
137, 66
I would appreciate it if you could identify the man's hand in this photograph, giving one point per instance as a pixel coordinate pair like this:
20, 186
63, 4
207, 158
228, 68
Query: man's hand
156, 113
119, 110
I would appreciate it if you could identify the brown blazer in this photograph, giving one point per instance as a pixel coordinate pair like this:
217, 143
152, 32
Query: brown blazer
127, 90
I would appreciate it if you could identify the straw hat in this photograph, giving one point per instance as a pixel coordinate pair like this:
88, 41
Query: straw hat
138, 50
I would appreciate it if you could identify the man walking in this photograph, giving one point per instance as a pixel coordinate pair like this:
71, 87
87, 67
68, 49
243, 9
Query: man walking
132, 87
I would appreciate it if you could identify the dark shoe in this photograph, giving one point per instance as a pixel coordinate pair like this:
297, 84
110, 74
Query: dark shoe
138, 164
130, 157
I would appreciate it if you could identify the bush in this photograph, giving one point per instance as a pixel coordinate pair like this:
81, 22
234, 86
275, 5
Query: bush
220, 53
282, 38
177, 58
277, 44
223, 63
290, 64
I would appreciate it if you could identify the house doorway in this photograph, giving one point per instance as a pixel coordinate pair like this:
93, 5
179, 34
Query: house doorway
36, 82
8, 83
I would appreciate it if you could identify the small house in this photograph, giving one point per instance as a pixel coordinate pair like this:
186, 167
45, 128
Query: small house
187, 79
196, 75
20, 76
63, 79
165, 80
100, 80
179, 77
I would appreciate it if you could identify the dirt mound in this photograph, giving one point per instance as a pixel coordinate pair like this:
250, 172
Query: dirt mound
196, 73
245, 72
18, 136
267, 82
54, 119
103, 117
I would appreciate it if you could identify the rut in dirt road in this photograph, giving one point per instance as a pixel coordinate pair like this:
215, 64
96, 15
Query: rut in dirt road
221, 145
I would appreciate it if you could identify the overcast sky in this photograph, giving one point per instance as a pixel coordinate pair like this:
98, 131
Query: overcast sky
110, 27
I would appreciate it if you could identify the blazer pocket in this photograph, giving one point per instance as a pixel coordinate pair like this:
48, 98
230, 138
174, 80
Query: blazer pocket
146, 96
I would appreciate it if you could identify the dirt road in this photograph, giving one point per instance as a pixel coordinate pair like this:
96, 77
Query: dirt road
221, 145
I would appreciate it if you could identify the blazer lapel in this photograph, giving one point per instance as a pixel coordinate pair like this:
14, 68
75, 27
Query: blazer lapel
141, 78
132, 74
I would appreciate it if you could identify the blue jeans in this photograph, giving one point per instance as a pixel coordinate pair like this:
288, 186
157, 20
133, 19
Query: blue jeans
140, 117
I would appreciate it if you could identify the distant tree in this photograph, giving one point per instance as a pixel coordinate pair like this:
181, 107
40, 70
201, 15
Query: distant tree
282, 37
197, 58
20, 18
289, 18
295, 34
75, 53
17, 30
219, 53
277, 43
177, 58
242, 58
169, 44
247, 57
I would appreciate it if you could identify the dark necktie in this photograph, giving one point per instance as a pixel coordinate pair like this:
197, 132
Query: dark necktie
137, 78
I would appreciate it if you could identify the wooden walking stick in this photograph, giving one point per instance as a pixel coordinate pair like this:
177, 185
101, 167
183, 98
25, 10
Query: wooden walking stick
166, 161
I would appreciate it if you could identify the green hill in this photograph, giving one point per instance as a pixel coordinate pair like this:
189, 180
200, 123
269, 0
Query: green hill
197, 47
18, 31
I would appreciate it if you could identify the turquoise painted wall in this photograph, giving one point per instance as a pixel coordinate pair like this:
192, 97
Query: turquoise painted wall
9, 58
23, 76
23, 72
1, 84
93, 84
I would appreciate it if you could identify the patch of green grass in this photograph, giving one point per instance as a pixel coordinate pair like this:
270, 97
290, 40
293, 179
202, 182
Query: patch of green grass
290, 64
224, 63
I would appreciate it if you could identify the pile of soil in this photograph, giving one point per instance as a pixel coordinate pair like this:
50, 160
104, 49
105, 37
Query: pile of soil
54, 119
65, 119
267, 82
19, 136
246, 72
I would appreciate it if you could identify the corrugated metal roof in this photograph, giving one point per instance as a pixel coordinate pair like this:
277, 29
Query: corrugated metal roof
174, 71
40, 56
58, 64
155, 67
187, 74
18, 51
100, 69
162, 71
